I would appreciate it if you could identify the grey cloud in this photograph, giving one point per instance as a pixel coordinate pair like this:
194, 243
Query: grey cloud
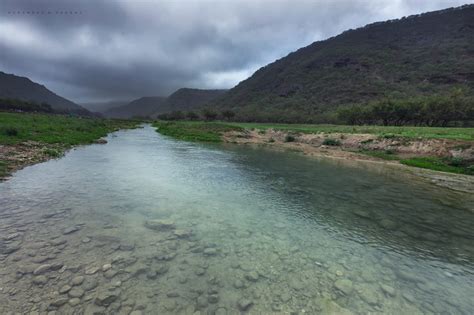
128, 49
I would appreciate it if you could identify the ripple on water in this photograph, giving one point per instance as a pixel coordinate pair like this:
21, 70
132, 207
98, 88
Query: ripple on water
147, 225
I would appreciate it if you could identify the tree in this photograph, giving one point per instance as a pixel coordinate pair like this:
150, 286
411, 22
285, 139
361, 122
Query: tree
228, 114
209, 114
192, 115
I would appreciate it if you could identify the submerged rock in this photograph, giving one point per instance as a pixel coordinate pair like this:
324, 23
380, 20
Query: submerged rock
344, 285
160, 225
47, 268
78, 280
210, 251
105, 298
244, 304
71, 229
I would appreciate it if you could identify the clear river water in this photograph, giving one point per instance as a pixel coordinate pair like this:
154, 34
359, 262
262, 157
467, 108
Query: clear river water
146, 224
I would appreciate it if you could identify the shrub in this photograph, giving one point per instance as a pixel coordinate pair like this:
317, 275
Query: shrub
11, 132
52, 153
289, 138
332, 142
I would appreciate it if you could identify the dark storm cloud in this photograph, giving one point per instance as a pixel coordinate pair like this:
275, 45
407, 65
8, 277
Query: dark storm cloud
88, 50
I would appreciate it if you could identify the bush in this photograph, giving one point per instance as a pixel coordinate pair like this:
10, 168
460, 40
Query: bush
332, 142
11, 132
289, 138
52, 153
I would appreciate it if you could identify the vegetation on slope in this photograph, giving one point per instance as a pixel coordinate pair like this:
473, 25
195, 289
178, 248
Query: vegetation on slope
431, 53
15, 87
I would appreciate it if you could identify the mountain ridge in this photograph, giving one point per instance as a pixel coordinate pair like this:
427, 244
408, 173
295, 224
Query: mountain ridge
23, 88
417, 55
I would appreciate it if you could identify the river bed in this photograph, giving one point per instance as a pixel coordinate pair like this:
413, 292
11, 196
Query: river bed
146, 224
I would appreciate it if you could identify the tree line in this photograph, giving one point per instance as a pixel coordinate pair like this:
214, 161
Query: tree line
436, 110
8, 104
205, 114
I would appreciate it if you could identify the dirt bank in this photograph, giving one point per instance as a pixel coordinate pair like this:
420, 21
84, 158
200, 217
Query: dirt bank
18, 156
348, 147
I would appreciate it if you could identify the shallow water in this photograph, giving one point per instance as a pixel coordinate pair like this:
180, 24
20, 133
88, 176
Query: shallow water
246, 230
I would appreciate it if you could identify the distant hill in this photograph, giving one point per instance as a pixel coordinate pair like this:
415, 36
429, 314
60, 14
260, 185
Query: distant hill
417, 55
15, 87
101, 107
142, 107
184, 99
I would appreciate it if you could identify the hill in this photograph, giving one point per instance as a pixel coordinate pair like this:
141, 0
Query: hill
142, 107
15, 87
101, 107
184, 99
431, 53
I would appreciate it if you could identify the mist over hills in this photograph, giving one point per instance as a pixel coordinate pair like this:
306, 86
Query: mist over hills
184, 99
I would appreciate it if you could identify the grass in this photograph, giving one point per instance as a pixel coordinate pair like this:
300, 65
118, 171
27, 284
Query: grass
382, 131
385, 155
438, 164
56, 129
194, 131
3, 169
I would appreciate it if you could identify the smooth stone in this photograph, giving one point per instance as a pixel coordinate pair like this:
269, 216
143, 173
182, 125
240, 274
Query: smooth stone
213, 298
221, 311
387, 289
76, 293
136, 312
202, 301
40, 280
105, 298
106, 267
78, 280
109, 274
86, 240
158, 225
182, 233
65, 289
59, 302
71, 229
210, 251
238, 284
169, 304
244, 304
91, 270
200, 271
252, 276
344, 285
162, 269
47, 268
74, 301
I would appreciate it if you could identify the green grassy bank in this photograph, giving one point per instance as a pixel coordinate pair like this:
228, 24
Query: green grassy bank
212, 132
53, 133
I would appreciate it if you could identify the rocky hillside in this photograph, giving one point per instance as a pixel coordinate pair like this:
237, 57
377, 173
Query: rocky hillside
424, 54
15, 87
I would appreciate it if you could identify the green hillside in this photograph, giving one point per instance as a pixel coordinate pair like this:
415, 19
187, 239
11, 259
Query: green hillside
421, 55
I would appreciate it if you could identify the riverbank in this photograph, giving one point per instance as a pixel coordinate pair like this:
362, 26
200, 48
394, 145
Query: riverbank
444, 156
30, 138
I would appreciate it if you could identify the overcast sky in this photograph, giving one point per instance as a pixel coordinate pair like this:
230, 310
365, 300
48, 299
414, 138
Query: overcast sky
128, 49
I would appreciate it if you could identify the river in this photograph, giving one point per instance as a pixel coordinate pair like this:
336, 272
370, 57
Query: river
146, 224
